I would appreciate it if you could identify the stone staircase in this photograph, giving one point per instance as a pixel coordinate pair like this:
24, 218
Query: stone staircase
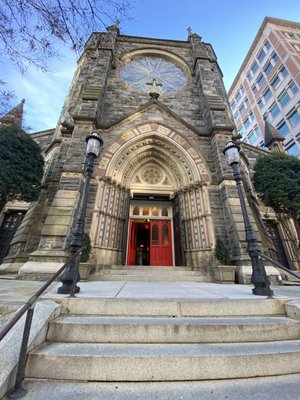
137, 273
164, 349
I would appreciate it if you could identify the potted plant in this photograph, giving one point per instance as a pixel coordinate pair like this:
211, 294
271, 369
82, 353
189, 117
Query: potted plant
85, 267
224, 272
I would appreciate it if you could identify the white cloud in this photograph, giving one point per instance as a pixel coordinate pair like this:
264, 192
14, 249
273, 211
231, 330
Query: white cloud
44, 92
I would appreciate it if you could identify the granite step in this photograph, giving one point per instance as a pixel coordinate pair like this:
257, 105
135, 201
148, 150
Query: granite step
171, 307
162, 277
162, 362
150, 274
275, 388
96, 329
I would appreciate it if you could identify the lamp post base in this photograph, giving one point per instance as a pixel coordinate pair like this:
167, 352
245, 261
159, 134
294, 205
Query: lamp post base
66, 289
263, 291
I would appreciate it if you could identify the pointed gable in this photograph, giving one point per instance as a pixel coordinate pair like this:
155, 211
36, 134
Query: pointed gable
271, 134
14, 117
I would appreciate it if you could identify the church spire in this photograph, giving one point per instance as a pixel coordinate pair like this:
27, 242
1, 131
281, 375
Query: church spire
273, 138
14, 117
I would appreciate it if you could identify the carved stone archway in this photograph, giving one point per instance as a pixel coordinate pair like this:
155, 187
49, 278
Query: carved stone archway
152, 159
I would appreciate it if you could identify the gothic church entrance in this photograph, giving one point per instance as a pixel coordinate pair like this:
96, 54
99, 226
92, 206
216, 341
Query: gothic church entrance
150, 234
152, 203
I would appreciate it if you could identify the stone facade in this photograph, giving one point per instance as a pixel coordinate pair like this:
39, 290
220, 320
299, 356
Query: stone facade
178, 137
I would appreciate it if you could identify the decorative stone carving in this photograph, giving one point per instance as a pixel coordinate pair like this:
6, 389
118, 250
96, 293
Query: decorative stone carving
152, 175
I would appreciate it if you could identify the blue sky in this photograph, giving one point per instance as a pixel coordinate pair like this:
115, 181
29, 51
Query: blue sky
230, 26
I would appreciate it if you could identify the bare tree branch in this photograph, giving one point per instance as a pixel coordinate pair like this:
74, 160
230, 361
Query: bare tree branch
30, 30
5, 98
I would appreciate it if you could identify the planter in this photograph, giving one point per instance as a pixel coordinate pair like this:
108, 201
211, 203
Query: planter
84, 271
224, 273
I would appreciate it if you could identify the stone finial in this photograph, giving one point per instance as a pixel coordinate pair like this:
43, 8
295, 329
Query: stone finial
273, 138
193, 35
114, 28
14, 117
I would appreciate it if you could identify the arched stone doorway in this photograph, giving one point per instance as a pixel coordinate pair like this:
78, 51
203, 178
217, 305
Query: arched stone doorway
152, 198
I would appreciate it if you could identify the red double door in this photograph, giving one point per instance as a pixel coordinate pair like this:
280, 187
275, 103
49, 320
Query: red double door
150, 243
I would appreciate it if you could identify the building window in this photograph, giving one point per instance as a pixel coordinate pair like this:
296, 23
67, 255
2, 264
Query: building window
257, 131
242, 90
254, 88
293, 87
267, 94
268, 68
254, 67
275, 81
267, 45
241, 130
238, 96
260, 103
275, 58
246, 102
261, 55
249, 76
294, 118
284, 98
233, 105
246, 122
242, 109
293, 150
274, 109
236, 117
283, 128
260, 80
254, 135
283, 71
252, 138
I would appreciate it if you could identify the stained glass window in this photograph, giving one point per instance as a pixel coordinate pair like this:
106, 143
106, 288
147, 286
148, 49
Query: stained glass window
164, 212
155, 212
155, 237
165, 235
136, 211
143, 69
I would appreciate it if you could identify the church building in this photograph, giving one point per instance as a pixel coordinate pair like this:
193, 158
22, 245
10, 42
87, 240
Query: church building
162, 192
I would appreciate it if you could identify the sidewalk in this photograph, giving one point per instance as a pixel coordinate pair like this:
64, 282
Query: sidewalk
16, 292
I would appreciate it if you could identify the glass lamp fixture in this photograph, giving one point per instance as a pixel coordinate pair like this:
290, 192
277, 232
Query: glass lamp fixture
232, 153
93, 144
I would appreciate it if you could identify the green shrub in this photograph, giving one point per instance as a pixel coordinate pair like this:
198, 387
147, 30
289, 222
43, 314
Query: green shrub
86, 250
221, 252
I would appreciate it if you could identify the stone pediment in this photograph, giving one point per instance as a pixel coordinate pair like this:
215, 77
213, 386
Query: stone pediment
153, 109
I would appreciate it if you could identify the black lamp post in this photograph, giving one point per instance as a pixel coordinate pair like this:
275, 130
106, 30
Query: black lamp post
259, 277
71, 274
